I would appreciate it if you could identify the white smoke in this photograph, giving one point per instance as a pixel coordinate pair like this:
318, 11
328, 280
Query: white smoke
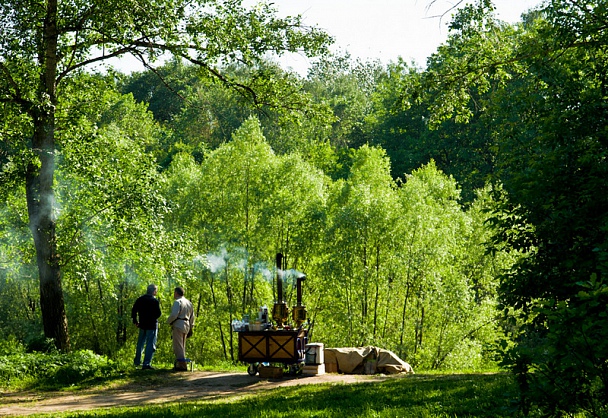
239, 260
262, 269
200, 261
216, 262
290, 276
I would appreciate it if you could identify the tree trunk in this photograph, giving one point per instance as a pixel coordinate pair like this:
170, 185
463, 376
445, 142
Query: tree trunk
403, 316
377, 295
230, 311
388, 305
364, 301
217, 311
40, 201
122, 313
419, 330
39, 190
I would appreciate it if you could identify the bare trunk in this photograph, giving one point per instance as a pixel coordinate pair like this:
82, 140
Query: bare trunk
364, 300
230, 309
349, 307
419, 330
39, 190
387, 305
198, 305
122, 313
219, 320
403, 316
377, 295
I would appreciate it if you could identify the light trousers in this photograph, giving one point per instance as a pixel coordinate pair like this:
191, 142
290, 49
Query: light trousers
179, 344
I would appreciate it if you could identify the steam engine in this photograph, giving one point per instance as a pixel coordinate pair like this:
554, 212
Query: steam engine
263, 344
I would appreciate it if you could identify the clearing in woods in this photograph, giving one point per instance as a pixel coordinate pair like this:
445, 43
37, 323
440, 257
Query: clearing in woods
162, 386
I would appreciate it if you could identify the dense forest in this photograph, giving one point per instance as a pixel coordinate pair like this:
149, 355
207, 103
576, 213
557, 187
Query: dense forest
455, 213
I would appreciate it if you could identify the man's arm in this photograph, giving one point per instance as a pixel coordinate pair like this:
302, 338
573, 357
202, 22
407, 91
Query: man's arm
134, 311
191, 319
174, 312
157, 312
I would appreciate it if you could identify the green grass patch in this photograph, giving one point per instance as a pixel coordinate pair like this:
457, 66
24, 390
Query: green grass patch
456, 395
74, 371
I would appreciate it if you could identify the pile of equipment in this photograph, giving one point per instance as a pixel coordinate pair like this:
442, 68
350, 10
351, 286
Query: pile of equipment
270, 348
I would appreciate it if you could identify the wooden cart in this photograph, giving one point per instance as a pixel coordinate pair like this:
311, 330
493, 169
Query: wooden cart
287, 347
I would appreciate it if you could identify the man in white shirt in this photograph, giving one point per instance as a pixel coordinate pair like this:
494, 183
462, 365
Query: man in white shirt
181, 320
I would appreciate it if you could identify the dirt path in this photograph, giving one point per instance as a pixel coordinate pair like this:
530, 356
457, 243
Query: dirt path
161, 386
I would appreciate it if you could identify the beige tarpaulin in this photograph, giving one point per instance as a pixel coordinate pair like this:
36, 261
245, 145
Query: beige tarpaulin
368, 360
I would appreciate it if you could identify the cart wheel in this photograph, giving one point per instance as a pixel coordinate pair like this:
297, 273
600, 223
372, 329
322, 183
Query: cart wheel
252, 369
294, 369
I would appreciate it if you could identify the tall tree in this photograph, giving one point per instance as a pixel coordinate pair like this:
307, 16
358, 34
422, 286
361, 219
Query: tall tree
362, 217
111, 207
241, 206
345, 86
547, 104
554, 170
45, 42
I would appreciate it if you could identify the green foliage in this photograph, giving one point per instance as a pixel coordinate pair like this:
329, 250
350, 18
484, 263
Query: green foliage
560, 194
241, 205
397, 263
54, 369
108, 189
244, 203
561, 367
536, 91
160, 90
18, 280
361, 216
397, 120
10, 346
41, 58
371, 181
402, 270
201, 114
345, 87
82, 366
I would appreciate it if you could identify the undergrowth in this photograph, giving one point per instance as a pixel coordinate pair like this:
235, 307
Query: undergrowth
54, 370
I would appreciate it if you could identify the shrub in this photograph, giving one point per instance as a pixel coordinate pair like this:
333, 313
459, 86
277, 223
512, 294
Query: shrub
83, 365
55, 368
10, 345
563, 368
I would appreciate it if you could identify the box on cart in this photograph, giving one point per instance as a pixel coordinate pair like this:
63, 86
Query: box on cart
272, 372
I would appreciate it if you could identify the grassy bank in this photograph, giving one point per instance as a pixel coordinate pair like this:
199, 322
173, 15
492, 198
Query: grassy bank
460, 395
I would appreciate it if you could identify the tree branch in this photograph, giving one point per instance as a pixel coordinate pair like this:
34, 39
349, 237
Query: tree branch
16, 97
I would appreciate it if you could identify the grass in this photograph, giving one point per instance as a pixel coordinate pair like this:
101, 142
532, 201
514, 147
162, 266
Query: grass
41, 373
420, 395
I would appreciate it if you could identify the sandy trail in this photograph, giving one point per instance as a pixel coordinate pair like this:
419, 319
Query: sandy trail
162, 386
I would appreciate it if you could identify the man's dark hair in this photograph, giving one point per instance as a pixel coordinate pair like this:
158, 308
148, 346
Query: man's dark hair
151, 289
179, 290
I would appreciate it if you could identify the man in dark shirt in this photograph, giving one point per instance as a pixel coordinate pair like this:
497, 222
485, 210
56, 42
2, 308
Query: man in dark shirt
147, 308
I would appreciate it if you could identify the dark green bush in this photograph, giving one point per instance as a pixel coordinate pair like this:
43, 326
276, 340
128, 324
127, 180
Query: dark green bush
10, 345
55, 368
83, 365
563, 368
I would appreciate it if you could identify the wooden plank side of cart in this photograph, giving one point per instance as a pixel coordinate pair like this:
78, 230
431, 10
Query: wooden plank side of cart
282, 347
262, 346
253, 346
